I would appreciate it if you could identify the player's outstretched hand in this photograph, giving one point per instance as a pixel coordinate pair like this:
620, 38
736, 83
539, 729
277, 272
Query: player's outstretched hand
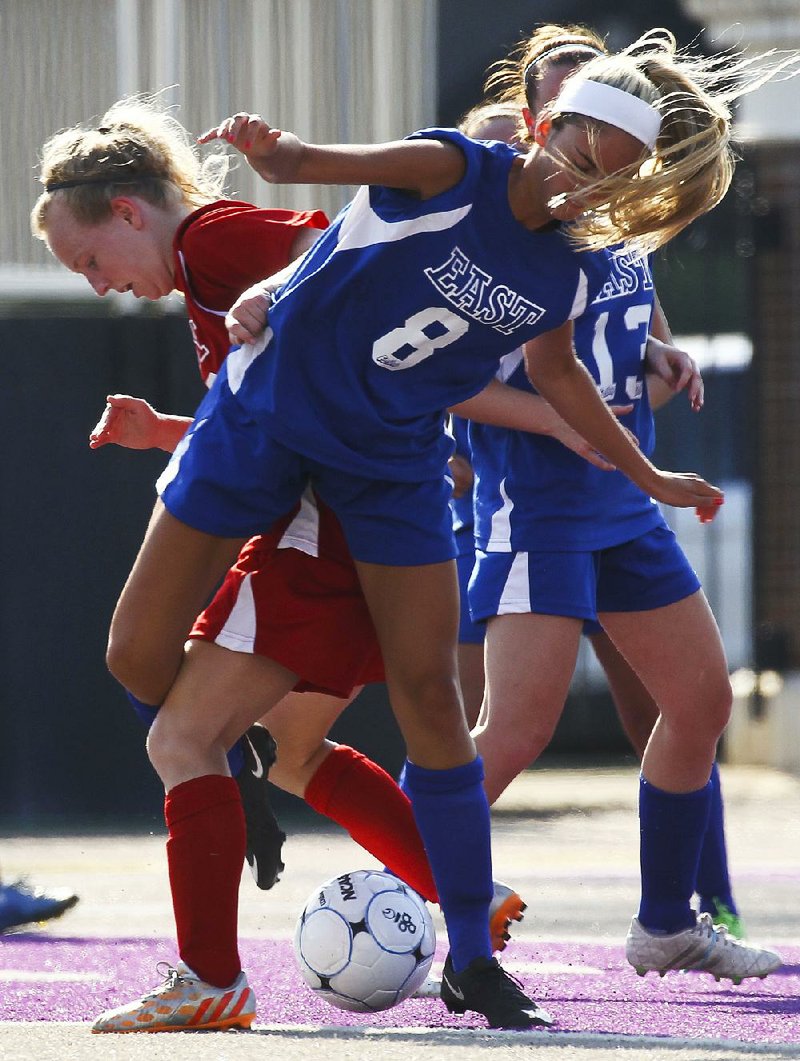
129, 422
135, 424
687, 490
272, 153
246, 132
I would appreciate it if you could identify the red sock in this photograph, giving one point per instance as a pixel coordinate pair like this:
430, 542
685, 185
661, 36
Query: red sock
359, 795
205, 850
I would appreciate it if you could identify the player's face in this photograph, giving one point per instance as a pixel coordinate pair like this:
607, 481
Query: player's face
590, 155
120, 254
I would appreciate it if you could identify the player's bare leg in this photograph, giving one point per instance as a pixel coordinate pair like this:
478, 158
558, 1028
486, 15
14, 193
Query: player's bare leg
415, 610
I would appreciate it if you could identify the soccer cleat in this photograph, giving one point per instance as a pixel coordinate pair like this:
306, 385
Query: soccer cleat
506, 906
486, 988
704, 947
264, 836
183, 1003
22, 904
722, 914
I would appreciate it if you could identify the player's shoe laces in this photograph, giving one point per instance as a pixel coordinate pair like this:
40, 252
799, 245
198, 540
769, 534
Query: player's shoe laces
485, 987
183, 1003
22, 904
505, 907
722, 914
264, 836
705, 946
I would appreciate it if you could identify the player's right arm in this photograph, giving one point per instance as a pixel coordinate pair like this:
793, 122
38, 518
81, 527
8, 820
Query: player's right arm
427, 167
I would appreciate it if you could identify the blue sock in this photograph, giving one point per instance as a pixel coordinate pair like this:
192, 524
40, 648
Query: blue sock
147, 714
452, 816
672, 826
713, 881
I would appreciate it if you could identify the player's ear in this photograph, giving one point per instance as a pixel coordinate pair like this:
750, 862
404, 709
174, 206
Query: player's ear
542, 129
530, 121
127, 210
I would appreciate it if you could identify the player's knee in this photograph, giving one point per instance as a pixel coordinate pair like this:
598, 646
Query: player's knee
721, 705
168, 748
434, 697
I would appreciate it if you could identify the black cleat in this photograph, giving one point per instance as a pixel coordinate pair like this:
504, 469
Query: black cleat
486, 988
264, 836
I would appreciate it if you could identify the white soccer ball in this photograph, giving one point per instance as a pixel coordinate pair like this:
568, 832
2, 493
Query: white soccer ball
364, 941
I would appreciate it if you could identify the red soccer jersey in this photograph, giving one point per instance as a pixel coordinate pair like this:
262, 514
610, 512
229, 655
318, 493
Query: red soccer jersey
222, 249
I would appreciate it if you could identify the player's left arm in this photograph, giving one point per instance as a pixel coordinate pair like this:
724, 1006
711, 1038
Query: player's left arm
560, 377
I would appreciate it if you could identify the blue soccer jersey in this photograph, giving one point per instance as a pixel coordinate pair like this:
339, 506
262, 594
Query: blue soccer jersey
534, 494
401, 308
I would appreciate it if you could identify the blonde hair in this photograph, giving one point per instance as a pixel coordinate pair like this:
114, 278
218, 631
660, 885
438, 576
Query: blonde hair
691, 167
138, 147
491, 110
515, 79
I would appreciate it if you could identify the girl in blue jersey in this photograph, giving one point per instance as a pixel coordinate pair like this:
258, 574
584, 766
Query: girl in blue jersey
546, 59
558, 545
451, 258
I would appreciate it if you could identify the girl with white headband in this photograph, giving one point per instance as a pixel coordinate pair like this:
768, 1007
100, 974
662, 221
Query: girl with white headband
450, 256
558, 544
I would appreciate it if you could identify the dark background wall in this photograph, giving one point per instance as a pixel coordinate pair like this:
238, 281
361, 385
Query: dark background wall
73, 520
474, 34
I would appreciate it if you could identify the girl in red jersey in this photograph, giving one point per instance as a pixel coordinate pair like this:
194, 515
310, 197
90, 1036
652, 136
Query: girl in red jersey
137, 211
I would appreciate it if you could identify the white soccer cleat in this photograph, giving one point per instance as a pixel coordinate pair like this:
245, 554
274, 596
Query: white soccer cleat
183, 1003
506, 906
705, 947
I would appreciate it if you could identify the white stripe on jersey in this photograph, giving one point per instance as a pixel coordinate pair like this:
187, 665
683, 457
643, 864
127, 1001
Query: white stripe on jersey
509, 363
242, 357
361, 226
187, 282
500, 536
581, 296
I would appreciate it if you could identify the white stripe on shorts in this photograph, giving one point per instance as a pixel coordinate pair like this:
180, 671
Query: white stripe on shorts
516, 596
239, 632
303, 532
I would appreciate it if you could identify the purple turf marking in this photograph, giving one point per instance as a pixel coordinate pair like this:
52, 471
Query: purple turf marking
613, 1001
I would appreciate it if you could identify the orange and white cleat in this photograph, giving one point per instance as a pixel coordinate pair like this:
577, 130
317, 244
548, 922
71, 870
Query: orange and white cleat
183, 1003
505, 907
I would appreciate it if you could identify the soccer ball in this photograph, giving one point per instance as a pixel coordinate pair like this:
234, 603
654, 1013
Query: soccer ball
364, 941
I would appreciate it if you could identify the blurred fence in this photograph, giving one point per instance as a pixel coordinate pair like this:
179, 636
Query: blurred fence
330, 70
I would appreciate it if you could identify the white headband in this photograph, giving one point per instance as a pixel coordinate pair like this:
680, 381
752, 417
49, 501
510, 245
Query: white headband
608, 104
560, 49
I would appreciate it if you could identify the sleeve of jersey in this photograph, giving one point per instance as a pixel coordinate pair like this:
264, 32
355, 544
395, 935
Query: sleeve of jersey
475, 155
225, 256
